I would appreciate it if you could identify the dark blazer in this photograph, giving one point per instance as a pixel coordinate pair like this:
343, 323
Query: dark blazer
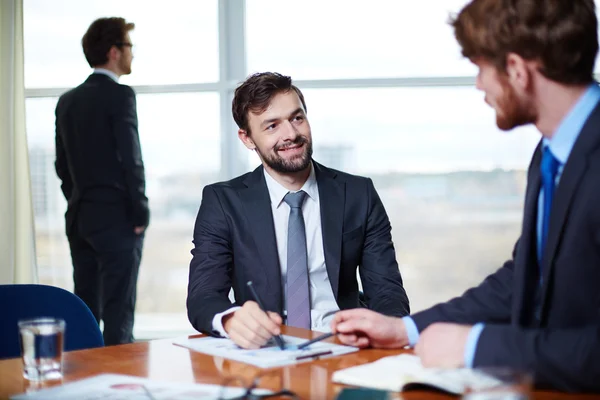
98, 156
561, 345
235, 242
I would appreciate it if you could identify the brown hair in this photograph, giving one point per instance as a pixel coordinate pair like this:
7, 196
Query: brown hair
562, 35
255, 94
102, 34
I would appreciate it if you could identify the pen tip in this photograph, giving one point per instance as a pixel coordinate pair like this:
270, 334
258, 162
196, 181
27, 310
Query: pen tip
249, 283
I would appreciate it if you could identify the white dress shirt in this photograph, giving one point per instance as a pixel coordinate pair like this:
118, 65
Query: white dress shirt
107, 72
322, 302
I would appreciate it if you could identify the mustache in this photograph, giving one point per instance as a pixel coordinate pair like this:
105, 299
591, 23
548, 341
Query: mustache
298, 141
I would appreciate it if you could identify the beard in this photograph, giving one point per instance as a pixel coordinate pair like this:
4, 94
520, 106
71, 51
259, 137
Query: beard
512, 111
286, 166
125, 66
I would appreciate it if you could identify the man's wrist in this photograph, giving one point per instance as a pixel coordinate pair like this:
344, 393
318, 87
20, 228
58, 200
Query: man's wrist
218, 320
226, 320
411, 332
471, 344
400, 328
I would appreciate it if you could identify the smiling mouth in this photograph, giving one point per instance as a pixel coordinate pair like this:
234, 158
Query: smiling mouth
294, 147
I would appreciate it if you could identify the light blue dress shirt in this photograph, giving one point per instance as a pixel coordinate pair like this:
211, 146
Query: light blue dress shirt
561, 144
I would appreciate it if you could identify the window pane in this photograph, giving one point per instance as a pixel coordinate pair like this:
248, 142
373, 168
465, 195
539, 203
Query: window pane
451, 182
181, 153
342, 39
177, 43
49, 205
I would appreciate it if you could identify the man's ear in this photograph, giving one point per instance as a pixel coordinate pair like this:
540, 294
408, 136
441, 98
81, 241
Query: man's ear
113, 53
518, 72
246, 139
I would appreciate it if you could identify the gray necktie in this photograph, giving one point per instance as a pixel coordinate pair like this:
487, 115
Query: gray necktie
298, 294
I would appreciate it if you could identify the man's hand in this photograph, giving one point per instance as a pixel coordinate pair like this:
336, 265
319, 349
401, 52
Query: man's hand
362, 328
139, 229
443, 345
250, 327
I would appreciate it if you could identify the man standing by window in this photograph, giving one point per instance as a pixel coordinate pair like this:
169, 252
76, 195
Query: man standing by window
99, 161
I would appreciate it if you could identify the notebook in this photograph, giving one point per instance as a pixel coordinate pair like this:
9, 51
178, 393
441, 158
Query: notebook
398, 373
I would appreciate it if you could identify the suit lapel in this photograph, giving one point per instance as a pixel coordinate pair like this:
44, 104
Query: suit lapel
570, 179
525, 268
257, 208
332, 201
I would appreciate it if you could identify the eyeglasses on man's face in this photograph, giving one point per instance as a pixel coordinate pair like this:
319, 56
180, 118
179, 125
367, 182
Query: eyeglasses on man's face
124, 44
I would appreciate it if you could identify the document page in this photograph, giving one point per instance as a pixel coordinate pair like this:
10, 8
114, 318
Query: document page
268, 356
124, 387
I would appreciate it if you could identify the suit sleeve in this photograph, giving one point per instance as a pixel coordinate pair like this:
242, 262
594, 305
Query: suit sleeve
379, 272
211, 267
563, 359
490, 302
61, 164
125, 128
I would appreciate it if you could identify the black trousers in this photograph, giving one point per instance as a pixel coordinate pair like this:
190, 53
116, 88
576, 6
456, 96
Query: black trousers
106, 259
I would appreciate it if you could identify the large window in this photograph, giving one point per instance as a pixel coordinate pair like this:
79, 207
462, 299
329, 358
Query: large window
389, 96
354, 39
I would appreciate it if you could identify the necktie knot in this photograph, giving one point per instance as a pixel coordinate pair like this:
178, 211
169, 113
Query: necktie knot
295, 200
549, 165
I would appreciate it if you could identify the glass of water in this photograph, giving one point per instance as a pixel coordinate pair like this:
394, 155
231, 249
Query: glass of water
42, 342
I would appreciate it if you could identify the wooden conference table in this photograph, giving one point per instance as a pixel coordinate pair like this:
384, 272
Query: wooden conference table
162, 361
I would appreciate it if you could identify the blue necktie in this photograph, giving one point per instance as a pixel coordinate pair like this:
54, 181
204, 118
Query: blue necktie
298, 292
548, 168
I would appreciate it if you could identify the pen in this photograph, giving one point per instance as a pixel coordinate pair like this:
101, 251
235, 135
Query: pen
317, 339
314, 355
278, 338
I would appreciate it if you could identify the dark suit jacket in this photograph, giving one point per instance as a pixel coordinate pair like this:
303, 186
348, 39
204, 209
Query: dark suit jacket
562, 346
98, 156
235, 242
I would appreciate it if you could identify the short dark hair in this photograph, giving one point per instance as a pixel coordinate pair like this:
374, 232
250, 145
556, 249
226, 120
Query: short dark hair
255, 94
562, 35
102, 34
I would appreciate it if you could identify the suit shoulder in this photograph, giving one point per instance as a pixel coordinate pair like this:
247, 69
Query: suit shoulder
68, 94
66, 99
125, 90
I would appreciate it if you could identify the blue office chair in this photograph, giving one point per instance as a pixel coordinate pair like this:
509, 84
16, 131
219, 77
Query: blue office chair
31, 301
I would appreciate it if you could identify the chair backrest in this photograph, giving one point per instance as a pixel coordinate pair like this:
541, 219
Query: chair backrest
31, 301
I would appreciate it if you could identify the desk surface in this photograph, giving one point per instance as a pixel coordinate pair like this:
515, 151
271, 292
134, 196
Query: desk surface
162, 361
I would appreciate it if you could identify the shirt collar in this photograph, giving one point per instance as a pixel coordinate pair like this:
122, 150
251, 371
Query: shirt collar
107, 72
277, 192
568, 131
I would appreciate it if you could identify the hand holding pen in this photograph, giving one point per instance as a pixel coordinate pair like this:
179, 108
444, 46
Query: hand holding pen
249, 326
277, 337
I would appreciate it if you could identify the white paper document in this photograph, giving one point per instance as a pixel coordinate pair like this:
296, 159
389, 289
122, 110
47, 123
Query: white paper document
121, 387
268, 356
397, 373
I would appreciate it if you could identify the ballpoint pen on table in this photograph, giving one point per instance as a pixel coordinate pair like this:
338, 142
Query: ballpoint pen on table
317, 339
